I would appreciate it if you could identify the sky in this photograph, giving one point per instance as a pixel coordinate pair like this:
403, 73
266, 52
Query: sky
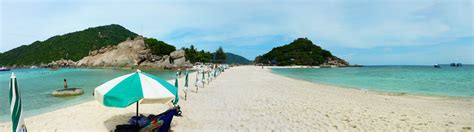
367, 32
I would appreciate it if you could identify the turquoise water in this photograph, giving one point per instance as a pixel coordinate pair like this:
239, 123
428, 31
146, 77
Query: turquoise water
417, 80
36, 86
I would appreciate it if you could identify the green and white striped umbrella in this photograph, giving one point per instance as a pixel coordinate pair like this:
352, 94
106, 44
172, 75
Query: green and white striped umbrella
176, 99
215, 74
186, 80
209, 74
203, 75
18, 125
128, 89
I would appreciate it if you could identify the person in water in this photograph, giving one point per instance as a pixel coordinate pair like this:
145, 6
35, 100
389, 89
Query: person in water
65, 84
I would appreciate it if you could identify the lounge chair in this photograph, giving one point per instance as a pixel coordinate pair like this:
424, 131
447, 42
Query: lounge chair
164, 119
156, 123
127, 128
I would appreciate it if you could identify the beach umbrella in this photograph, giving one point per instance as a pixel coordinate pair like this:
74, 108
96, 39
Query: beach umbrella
18, 125
196, 83
186, 85
215, 74
203, 78
209, 75
203, 75
186, 80
176, 98
131, 88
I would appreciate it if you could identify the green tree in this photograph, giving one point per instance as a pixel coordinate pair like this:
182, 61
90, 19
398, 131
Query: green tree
220, 56
197, 56
159, 47
299, 52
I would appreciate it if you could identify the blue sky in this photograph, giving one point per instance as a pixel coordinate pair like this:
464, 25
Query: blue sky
370, 32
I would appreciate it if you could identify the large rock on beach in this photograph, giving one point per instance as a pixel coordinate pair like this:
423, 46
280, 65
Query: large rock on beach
128, 53
132, 53
179, 62
177, 54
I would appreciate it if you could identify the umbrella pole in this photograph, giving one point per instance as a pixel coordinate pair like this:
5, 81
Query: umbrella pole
137, 108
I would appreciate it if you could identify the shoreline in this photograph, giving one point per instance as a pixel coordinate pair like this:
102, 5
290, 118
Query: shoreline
381, 92
385, 93
274, 102
63, 102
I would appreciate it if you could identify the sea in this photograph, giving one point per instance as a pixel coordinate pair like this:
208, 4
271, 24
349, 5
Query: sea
36, 85
446, 81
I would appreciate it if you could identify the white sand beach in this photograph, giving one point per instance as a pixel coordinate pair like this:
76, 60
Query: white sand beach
252, 98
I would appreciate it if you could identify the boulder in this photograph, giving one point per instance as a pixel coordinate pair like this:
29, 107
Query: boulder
165, 62
130, 53
177, 54
154, 58
180, 62
61, 63
335, 62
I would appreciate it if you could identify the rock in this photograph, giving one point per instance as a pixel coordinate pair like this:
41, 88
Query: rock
335, 62
131, 53
188, 64
68, 92
61, 63
180, 62
154, 58
94, 52
127, 53
177, 54
165, 62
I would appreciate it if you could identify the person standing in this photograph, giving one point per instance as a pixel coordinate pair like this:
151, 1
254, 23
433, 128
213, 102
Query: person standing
65, 84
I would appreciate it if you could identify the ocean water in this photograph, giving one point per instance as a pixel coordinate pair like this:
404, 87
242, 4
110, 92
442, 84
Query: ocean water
415, 80
36, 86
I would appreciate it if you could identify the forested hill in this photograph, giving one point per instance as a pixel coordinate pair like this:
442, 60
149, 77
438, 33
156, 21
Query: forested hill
236, 59
73, 46
301, 51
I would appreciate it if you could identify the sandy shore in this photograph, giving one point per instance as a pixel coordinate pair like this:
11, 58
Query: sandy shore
251, 98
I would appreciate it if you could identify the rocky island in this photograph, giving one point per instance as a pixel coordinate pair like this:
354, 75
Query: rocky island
301, 51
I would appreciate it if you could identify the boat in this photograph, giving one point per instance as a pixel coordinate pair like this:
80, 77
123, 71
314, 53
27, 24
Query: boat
67, 92
33, 67
437, 66
456, 64
4, 69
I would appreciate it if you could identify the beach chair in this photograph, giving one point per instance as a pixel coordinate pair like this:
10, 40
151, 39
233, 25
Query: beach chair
134, 124
162, 122
157, 123
127, 128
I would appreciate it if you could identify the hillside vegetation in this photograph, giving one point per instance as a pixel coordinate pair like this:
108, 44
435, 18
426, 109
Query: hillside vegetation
301, 51
73, 46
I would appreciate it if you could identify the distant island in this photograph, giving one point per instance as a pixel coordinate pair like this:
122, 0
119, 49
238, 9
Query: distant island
235, 59
106, 46
301, 51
